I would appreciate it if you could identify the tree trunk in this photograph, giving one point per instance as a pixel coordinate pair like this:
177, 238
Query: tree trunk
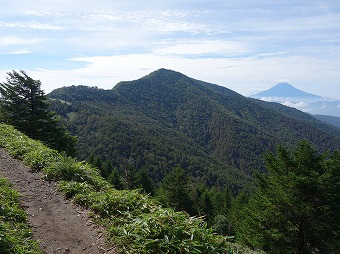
301, 248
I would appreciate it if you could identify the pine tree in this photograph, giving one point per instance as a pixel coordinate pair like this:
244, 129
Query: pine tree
144, 181
24, 105
175, 189
296, 207
107, 169
115, 179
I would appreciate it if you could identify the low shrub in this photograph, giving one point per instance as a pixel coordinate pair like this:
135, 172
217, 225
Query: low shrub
39, 159
165, 230
71, 188
68, 169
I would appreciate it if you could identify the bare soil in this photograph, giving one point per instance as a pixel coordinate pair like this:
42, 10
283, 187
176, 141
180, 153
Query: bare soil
59, 225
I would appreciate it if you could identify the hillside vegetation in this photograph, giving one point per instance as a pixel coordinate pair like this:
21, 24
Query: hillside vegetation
167, 119
15, 234
135, 222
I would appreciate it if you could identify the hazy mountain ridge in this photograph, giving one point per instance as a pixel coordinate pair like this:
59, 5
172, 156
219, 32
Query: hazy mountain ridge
333, 120
285, 91
288, 95
166, 119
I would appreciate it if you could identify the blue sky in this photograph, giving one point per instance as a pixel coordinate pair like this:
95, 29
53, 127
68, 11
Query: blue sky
247, 46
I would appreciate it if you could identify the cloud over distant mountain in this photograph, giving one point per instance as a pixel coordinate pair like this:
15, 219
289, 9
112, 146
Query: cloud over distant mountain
288, 95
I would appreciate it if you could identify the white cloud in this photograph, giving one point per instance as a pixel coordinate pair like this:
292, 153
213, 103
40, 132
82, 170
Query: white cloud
299, 105
255, 11
269, 54
31, 25
271, 99
166, 25
10, 41
242, 75
18, 52
37, 13
199, 47
149, 21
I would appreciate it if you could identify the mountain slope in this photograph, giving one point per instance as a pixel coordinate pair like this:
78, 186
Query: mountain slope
333, 120
166, 119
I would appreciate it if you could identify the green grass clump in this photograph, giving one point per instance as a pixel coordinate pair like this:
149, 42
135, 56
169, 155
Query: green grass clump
40, 158
71, 188
134, 221
166, 231
68, 169
15, 235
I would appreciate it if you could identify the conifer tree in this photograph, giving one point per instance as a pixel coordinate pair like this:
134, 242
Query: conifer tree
296, 208
115, 179
24, 105
176, 191
144, 181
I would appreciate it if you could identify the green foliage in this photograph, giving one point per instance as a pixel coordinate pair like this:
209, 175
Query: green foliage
141, 226
175, 190
15, 142
24, 105
68, 169
40, 158
145, 182
167, 119
135, 222
15, 235
115, 179
296, 207
166, 231
71, 188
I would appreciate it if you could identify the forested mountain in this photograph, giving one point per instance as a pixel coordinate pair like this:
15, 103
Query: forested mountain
167, 119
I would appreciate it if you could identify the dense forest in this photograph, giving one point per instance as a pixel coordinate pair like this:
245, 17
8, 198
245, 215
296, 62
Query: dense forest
167, 119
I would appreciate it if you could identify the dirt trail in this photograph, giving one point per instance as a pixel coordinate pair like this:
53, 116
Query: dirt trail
58, 225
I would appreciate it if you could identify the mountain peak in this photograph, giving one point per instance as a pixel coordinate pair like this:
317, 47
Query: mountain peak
284, 85
166, 73
285, 90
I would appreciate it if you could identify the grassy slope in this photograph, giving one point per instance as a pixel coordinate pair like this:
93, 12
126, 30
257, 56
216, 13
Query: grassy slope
135, 222
15, 234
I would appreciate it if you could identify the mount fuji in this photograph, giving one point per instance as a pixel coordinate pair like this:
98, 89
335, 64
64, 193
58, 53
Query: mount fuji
283, 92
288, 95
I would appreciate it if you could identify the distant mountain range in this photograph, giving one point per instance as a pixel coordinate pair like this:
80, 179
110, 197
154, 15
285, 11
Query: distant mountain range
333, 120
288, 95
167, 119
